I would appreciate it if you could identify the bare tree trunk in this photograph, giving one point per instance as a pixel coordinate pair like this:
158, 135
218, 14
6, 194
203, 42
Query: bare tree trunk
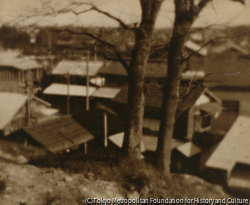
143, 34
185, 13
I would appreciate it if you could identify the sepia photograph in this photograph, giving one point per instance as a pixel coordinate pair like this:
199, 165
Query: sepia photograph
124, 102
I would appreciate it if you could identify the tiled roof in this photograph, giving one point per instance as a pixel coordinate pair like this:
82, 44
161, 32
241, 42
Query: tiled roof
59, 134
156, 70
153, 97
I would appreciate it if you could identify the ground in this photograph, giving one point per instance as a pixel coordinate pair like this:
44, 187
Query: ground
24, 183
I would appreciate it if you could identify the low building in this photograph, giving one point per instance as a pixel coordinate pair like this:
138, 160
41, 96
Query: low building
17, 68
57, 135
197, 107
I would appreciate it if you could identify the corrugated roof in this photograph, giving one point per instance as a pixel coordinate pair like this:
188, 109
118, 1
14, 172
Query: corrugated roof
13, 87
154, 95
234, 147
62, 89
10, 104
156, 70
106, 92
77, 68
60, 134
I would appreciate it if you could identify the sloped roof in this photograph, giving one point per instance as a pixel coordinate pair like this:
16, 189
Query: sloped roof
93, 120
154, 95
62, 90
106, 92
153, 69
189, 149
148, 142
234, 147
10, 104
224, 71
77, 68
13, 87
16, 60
59, 134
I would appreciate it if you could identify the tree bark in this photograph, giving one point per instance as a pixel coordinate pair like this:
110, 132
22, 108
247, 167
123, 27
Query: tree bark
143, 35
185, 13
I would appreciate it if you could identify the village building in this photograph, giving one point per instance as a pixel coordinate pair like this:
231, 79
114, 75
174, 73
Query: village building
17, 68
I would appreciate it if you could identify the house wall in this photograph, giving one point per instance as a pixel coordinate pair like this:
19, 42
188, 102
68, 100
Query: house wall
241, 96
226, 119
115, 80
9, 74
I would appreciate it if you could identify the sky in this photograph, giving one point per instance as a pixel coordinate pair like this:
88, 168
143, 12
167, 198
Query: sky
219, 12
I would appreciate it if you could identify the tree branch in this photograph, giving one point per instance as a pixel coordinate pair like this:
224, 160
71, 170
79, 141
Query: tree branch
117, 53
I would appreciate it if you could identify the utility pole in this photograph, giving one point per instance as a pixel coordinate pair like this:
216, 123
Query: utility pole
105, 130
68, 98
28, 99
87, 82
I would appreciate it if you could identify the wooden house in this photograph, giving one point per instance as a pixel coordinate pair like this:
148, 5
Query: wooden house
16, 68
196, 109
77, 71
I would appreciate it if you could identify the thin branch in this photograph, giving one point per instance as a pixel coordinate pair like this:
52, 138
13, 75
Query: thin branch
202, 4
118, 55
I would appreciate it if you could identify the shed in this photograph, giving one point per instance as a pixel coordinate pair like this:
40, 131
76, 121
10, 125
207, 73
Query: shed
59, 134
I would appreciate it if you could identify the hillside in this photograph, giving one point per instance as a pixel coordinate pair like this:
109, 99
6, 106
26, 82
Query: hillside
73, 180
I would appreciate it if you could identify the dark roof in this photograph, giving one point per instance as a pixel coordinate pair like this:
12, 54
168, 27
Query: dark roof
93, 120
13, 87
228, 70
153, 97
153, 69
224, 71
59, 134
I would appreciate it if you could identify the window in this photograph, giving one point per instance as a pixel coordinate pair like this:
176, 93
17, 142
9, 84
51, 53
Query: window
231, 106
